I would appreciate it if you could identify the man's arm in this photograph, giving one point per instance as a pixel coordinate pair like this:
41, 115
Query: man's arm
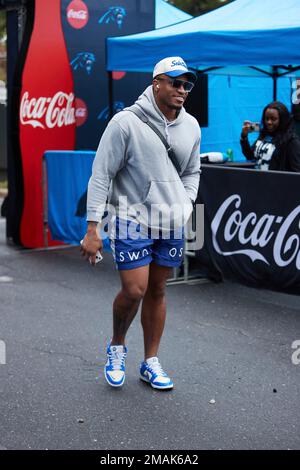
191, 175
109, 159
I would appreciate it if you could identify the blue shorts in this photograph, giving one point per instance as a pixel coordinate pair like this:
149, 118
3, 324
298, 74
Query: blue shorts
131, 251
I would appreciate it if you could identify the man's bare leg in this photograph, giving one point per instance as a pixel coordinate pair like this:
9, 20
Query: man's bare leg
126, 304
154, 308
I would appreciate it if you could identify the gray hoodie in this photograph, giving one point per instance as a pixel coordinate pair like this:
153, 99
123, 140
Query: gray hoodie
132, 161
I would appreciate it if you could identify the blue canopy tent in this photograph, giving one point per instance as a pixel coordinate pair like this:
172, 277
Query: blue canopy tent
262, 35
247, 38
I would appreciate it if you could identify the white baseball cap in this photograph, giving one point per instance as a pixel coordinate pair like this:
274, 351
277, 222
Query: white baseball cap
173, 67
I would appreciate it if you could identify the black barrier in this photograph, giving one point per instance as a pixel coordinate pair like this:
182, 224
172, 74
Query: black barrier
252, 227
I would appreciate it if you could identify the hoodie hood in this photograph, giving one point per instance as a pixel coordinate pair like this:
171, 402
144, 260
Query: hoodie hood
146, 103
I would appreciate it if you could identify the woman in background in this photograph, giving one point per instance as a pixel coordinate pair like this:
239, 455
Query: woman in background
277, 146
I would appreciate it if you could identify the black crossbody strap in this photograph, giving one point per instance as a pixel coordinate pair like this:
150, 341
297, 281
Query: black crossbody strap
169, 149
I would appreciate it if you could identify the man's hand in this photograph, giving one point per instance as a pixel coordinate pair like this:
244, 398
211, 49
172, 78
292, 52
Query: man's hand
91, 243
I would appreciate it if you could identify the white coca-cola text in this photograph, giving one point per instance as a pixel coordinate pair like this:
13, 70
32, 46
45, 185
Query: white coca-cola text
257, 233
77, 15
48, 112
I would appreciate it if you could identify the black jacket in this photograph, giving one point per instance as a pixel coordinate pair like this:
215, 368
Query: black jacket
285, 158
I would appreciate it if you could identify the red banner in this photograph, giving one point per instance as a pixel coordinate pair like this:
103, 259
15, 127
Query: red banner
47, 112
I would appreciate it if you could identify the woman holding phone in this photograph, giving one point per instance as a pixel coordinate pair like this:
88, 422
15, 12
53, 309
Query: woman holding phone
277, 146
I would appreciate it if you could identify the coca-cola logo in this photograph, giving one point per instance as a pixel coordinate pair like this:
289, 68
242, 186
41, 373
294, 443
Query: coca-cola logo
77, 14
81, 112
256, 237
47, 112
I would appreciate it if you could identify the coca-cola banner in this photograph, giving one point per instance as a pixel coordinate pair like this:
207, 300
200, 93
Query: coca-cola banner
252, 226
86, 25
46, 112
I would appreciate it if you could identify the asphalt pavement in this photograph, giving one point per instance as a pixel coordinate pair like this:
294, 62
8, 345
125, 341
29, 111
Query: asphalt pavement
226, 346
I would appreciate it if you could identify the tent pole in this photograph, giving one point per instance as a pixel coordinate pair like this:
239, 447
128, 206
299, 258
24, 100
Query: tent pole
210, 69
260, 70
275, 77
110, 95
290, 70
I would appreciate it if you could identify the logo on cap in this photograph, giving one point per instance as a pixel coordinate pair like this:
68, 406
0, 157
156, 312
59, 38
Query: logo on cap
179, 62
173, 66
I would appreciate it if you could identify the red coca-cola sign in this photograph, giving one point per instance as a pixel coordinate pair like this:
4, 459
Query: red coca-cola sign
46, 113
77, 14
81, 112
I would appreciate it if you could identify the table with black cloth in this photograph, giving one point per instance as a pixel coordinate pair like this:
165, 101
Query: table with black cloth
251, 226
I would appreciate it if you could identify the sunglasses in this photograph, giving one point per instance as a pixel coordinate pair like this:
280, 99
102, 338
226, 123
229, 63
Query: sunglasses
177, 83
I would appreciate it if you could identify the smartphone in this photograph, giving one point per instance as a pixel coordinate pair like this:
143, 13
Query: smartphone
255, 126
99, 257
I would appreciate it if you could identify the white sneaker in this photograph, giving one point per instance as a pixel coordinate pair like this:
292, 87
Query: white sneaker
115, 367
152, 372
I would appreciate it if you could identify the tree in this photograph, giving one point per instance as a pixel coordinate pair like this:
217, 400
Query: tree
2, 24
198, 7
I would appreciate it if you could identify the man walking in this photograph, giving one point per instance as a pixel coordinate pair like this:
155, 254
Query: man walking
134, 162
